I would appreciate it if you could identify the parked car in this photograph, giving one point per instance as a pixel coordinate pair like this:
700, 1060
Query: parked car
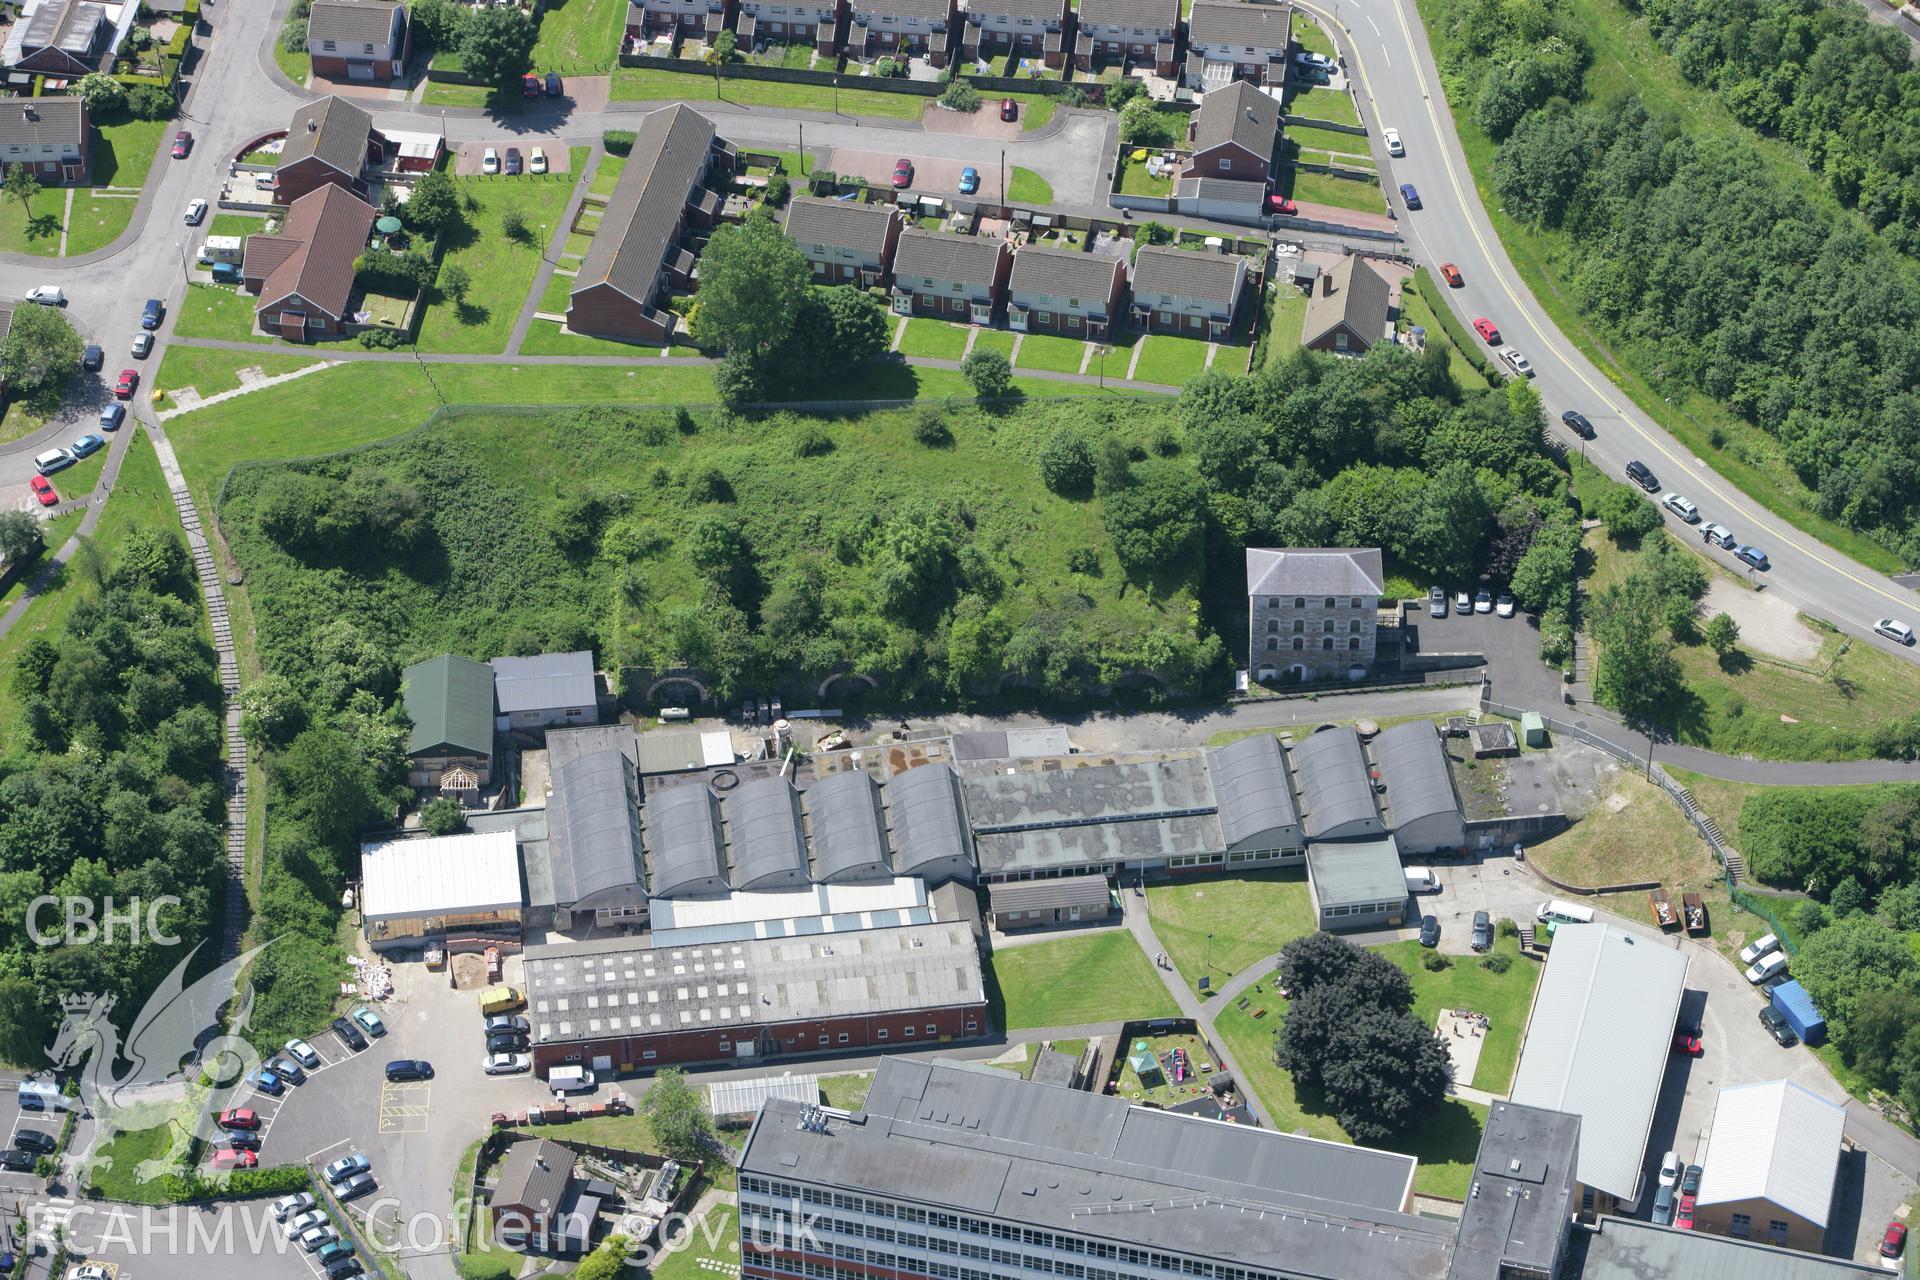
1896, 631
38, 1141
1482, 937
239, 1118
1503, 607
1759, 947
152, 313
1451, 274
111, 416
969, 180
47, 295
349, 1033
125, 385
1280, 206
335, 1252
142, 345
1894, 1241
92, 358
196, 212
1670, 1169
1771, 965
489, 161
370, 1020
1690, 1180
238, 1140
14, 1160
1411, 196
1687, 1043
1683, 1214
1682, 507
513, 162
338, 1171
1578, 424
507, 1042
537, 160
44, 491
530, 85
1752, 556
289, 1206
1009, 110
1638, 472
287, 1069
1483, 601
1429, 931
91, 1271
53, 460
508, 1022
554, 86
902, 173
227, 1158
1391, 137
1718, 535
345, 1269
507, 1064
1776, 1025
88, 445
268, 1083
302, 1053
1462, 602
358, 1185
1517, 362
315, 1238
304, 1221
1487, 330
1436, 602
409, 1069
182, 144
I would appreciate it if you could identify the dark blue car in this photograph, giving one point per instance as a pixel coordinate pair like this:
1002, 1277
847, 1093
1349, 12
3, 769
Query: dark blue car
1408, 194
151, 313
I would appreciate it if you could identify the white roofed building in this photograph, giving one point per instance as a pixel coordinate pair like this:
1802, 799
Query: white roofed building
439, 886
1772, 1163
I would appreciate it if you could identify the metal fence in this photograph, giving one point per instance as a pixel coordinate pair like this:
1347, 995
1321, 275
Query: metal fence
1749, 902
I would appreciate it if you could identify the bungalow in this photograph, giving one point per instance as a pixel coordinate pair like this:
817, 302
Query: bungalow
449, 699
1116, 32
1349, 310
815, 22
1075, 294
303, 277
1033, 28
329, 142
636, 255
50, 136
359, 39
845, 241
956, 277
1234, 133
67, 38
672, 17
902, 28
1230, 40
1194, 294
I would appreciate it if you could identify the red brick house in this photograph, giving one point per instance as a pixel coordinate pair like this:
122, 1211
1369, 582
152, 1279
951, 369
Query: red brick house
695, 18
1234, 134
845, 241
903, 28
50, 136
303, 277
66, 38
1078, 295
359, 39
814, 22
1034, 28
1196, 295
1350, 309
1230, 40
1136, 32
636, 257
960, 278
331, 141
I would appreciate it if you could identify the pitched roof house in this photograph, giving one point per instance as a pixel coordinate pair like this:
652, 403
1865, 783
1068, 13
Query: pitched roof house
878, 28
1112, 32
449, 699
1772, 1165
1349, 310
67, 37
1234, 133
845, 241
304, 276
1034, 27
1075, 294
546, 689
329, 141
636, 256
358, 39
1197, 294
533, 1196
1311, 611
1231, 40
51, 136
958, 277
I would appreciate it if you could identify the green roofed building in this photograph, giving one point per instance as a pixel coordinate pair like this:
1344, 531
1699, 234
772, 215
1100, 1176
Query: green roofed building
450, 701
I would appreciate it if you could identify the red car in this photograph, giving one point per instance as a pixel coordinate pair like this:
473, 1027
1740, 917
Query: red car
902, 173
43, 490
1282, 205
1688, 1043
1683, 1216
1451, 274
182, 143
227, 1158
128, 380
1894, 1241
530, 85
1009, 110
240, 1118
1484, 327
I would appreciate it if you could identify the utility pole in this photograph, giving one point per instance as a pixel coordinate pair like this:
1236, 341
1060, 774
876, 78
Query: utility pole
803, 148
1003, 177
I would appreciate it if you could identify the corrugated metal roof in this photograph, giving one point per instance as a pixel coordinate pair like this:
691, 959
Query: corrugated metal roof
1314, 571
1255, 791
544, 681
1226, 190
1774, 1141
593, 827
448, 698
1335, 787
764, 836
1598, 1041
1354, 872
925, 818
846, 827
1046, 895
746, 1097
684, 851
1413, 766
439, 875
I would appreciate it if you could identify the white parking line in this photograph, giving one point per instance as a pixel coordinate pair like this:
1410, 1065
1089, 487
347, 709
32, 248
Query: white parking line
315, 1155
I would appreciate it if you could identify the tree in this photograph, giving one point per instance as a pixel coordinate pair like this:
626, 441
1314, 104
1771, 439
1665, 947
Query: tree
859, 324
40, 353
455, 281
608, 1262
442, 816
1848, 959
434, 205
1628, 516
103, 95
513, 222
680, 1124
1155, 521
722, 51
1315, 960
989, 373
1637, 674
752, 282
1066, 463
1143, 123
270, 712
1545, 574
497, 42
20, 536
1722, 634
21, 185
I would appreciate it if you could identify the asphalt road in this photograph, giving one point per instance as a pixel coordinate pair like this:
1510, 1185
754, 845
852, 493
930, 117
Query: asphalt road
1400, 89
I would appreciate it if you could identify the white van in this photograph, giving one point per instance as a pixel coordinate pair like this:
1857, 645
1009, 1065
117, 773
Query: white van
1422, 880
1554, 911
1768, 965
39, 1095
570, 1080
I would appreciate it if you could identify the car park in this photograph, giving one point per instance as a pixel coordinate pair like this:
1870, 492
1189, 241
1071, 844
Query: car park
1009, 110
268, 1083
1682, 507
182, 144
88, 445
47, 295
513, 162
1894, 630
1436, 602
1483, 601
89, 1271
489, 161
1578, 424
507, 1042
93, 358
112, 416
531, 85
537, 160
196, 212
315, 1238
1487, 330
126, 384
53, 460
969, 180
902, 173
1718, 535
349, 1033
554, 85
401, 1069
142, 345
1517, 362
1752, 556
1759, 947
1411, 196
306, 1220
507, 1064
291, 1206
338, 1171
1429, 931
1462, 602
226, 1158
1451, 274
1391, 137
1503, 607
287, 1069
1771, 965
44, 491
358, 1185
370, 1020
302, 1053
152, 313
239, 1118
1776, 1025
1894, 1242
1482, 937
1638, 472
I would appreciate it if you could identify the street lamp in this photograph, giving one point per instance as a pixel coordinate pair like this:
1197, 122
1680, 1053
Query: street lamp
1101, 355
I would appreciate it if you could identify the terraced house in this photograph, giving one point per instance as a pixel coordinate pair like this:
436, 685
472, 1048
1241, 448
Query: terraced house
672, 17
788, 22
1075, 294
1031, 28
1116, 33
67, 38
1230, 40
845, 241
903, 28
358, 39
49, 136
957, 277
1193, 294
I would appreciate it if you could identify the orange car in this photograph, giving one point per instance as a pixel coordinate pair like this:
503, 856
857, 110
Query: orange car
1451, 274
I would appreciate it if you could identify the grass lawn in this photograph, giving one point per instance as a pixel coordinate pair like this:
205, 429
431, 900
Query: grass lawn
643, 84
606, 175
934, 339
1046, 351
294, 66
19, 421
35, 229
1342, 193
123, 151
502, 268
1323, 104
1000, 340
1506, 999
580, 37
1311, 38
1170, 361
236, 224
1102, 977
1250, 916
1415, 308
1135, 180
1028, 187
210, 372
217, 311
555, 296
1633, 833
545, 338
705, 1247
848, 1092
1286, 313
97, 220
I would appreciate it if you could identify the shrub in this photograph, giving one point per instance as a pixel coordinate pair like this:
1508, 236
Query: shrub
1073, 96
442, 816
930, 427
1508, 927
380, 339
779, 191
618, 142
960, 96
1084, 560
1156, 233
1144, 124
1498, 962
822, 182
813, 441
1066, 462
886, 68
1433, 961
988, 373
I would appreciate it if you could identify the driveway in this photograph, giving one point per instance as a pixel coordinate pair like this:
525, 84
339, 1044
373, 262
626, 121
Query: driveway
931, 175
1511, 647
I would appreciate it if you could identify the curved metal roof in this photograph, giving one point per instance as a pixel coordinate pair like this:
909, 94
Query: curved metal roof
683, 842
847, 828
1413, 765
593, 827
763, 833
1251, 786
1334, 781
923, 809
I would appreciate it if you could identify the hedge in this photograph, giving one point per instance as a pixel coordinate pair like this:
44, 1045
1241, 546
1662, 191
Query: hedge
1437, 303
618, 142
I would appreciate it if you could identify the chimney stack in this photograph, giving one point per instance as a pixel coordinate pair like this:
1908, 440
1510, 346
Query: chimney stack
1326, 284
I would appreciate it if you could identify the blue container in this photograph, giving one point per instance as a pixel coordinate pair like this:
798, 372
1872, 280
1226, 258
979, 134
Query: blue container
1796, 1006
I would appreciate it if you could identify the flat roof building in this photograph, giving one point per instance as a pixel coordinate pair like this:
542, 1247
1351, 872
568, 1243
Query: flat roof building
1516, 1219
1772, 1165
1357, 884
1629, 1249
435, 887
1597, 1046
